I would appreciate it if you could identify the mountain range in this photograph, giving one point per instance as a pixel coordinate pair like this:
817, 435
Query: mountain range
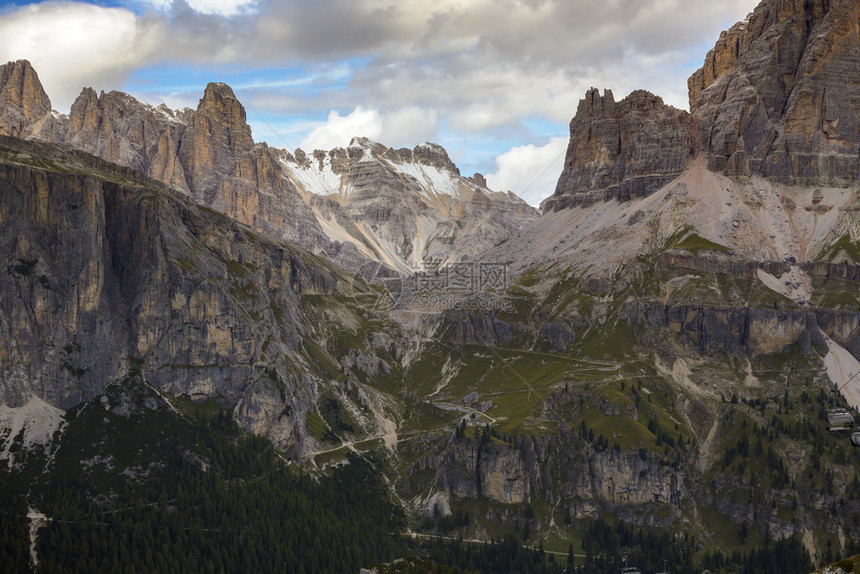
657, 349
409, 210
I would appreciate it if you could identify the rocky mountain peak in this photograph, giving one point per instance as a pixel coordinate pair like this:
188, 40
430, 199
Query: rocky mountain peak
427, 153
595, 105
84, 110
219, 99
217, 135
620, 150
20, 85
433, 154
23, 97
220, 105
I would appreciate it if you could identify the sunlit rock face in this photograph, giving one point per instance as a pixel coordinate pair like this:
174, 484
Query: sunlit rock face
621, 150
777, 95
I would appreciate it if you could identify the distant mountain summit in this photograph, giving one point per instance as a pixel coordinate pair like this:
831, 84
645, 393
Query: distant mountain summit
778, 97
410, 209
406, 209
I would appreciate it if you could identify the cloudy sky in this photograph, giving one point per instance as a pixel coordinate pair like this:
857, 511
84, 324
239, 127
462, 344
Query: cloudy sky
495, 82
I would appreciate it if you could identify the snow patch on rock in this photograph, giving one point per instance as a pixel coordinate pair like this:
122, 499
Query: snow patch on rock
841, 366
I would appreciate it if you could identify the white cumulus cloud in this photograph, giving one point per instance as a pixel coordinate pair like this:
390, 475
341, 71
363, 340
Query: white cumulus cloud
530, 171
220, 7
72, 45
403, 127
409, 126
225, 8
338, 130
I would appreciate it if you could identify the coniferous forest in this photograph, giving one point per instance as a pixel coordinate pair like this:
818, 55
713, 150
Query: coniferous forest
200, 495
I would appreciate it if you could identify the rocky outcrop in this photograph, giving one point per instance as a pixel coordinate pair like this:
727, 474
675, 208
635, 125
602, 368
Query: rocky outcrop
215, 139
676, 260
25, 108
468, 470
105, 270
466, 328
590, 476
749, 330
622, 150
777, 94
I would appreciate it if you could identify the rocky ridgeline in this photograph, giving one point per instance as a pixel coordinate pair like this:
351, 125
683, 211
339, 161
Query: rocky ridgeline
210, 155
776, 97
415, 209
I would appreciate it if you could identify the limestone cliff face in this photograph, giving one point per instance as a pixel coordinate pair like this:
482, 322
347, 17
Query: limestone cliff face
207, 153
26, 109
216, 137
622, 150
595, 477
122, 130
255, 192
777, 96
105, 270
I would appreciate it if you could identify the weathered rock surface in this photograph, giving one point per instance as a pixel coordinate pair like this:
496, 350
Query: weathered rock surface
26, 108
118, 128
515, 473
105, 270
410, 209
777, 95
622, 150
216, 137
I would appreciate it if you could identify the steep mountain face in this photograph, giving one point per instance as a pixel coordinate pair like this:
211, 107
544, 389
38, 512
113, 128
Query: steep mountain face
106, 271
26, 106
409, 210
778, 94
121, 130
662, 348
216, 137
622, 150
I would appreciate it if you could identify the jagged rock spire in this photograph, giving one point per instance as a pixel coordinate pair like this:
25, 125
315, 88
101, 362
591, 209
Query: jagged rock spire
23, 100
